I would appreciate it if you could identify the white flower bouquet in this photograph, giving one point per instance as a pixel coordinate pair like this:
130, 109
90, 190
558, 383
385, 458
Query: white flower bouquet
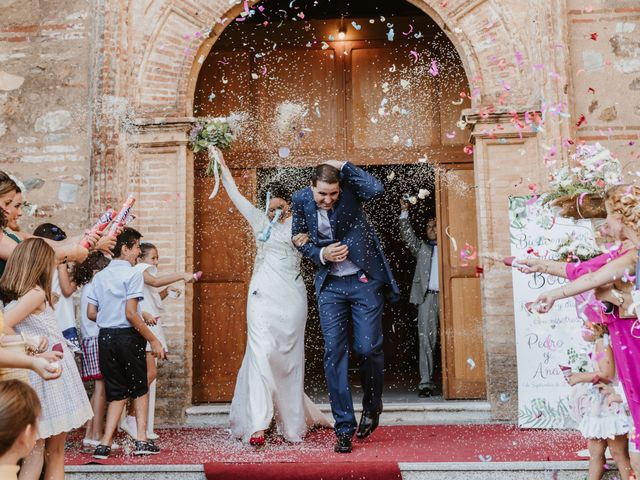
579, 191
213, 133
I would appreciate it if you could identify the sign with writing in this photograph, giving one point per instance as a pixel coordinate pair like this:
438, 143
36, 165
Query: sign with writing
544, 342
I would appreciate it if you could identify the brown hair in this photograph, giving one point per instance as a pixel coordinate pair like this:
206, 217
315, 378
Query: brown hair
30, 265
624, 200
7, 184
20, 408
325, 173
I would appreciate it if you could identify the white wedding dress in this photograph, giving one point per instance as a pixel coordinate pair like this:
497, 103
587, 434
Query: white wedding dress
270, 383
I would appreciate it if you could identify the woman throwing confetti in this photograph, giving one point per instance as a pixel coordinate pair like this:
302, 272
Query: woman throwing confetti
270, 382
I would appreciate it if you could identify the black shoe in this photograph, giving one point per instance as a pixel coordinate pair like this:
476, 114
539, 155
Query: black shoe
343, 444
102, 452
424, 392
368, 423
146, 448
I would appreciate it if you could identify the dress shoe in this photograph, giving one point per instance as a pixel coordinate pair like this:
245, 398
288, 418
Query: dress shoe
424, 392
343, 444
368, 423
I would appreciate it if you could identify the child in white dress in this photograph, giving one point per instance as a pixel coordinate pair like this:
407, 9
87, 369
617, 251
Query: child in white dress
600, 423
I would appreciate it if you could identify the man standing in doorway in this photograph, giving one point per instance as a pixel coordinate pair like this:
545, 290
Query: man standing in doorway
425, 293
352, 279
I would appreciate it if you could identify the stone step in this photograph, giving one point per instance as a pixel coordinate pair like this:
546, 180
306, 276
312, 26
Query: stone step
410, 471
426, 413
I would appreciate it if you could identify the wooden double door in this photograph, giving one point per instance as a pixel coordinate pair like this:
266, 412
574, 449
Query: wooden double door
358, 108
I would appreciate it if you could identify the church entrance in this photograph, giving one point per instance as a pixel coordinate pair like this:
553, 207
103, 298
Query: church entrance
381, 86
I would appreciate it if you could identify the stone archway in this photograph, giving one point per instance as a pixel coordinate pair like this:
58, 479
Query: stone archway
150, 156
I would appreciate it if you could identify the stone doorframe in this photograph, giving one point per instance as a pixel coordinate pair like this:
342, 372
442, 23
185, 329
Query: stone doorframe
150, 156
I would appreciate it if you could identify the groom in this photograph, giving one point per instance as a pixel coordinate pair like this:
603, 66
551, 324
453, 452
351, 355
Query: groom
351, 281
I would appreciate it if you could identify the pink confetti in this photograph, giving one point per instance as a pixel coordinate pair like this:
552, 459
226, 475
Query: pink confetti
451, 134
519, 58
415, 55
433, 70
264, 70
410, 30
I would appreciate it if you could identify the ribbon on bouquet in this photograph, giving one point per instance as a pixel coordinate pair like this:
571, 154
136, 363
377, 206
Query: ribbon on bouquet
215, 159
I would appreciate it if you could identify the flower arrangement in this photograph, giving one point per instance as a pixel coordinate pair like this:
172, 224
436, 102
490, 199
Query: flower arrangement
579, 190
216, 133
577, 249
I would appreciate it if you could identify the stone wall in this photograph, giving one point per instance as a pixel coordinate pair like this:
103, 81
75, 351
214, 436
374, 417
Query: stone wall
45, 115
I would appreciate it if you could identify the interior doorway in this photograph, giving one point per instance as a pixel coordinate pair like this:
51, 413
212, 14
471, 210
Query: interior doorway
388, 92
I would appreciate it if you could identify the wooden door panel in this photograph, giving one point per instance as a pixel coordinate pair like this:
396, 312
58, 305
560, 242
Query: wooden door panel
463, 355
311, 79
387, 104
468, 366
221, 333
224, 253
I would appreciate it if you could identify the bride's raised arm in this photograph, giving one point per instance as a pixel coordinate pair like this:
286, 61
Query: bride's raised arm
615, 269
254, 216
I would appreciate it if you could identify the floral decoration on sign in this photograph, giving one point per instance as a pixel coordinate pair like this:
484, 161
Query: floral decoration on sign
579, 190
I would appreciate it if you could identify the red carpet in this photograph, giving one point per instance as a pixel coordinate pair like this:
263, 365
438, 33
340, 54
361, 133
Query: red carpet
425, 443
305, 471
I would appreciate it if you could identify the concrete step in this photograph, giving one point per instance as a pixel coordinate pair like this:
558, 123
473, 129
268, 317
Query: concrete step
410, 471
426, 413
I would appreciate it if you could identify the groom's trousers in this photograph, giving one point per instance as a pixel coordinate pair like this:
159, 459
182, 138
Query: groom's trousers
341, 300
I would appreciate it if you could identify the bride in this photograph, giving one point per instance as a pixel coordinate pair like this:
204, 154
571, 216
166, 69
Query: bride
270, 383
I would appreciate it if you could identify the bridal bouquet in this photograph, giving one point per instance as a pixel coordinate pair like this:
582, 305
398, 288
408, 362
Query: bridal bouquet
579, 190
213, 133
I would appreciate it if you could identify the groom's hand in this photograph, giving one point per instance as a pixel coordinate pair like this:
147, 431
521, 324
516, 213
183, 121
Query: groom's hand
336, 252
335, 164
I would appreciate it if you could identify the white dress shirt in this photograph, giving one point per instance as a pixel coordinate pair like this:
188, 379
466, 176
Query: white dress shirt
109, 291
338, 269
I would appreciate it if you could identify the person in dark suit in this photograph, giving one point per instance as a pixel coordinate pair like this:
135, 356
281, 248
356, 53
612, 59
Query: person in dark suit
352, 280
425, 292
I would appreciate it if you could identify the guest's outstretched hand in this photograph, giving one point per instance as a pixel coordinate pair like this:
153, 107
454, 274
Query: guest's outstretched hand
530, 265
46, 369
106, 243
544, 303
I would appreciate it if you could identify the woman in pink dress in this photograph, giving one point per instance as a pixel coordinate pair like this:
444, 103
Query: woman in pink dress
623, 220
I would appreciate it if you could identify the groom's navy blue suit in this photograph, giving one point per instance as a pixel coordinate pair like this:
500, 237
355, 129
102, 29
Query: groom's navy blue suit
357, 297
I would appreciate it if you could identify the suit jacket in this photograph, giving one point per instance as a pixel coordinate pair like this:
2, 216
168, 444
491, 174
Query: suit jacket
423, 253
349, 225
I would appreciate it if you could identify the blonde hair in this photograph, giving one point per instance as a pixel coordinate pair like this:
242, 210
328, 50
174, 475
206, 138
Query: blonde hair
20, 408
30, 265
599, 330
624, 200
